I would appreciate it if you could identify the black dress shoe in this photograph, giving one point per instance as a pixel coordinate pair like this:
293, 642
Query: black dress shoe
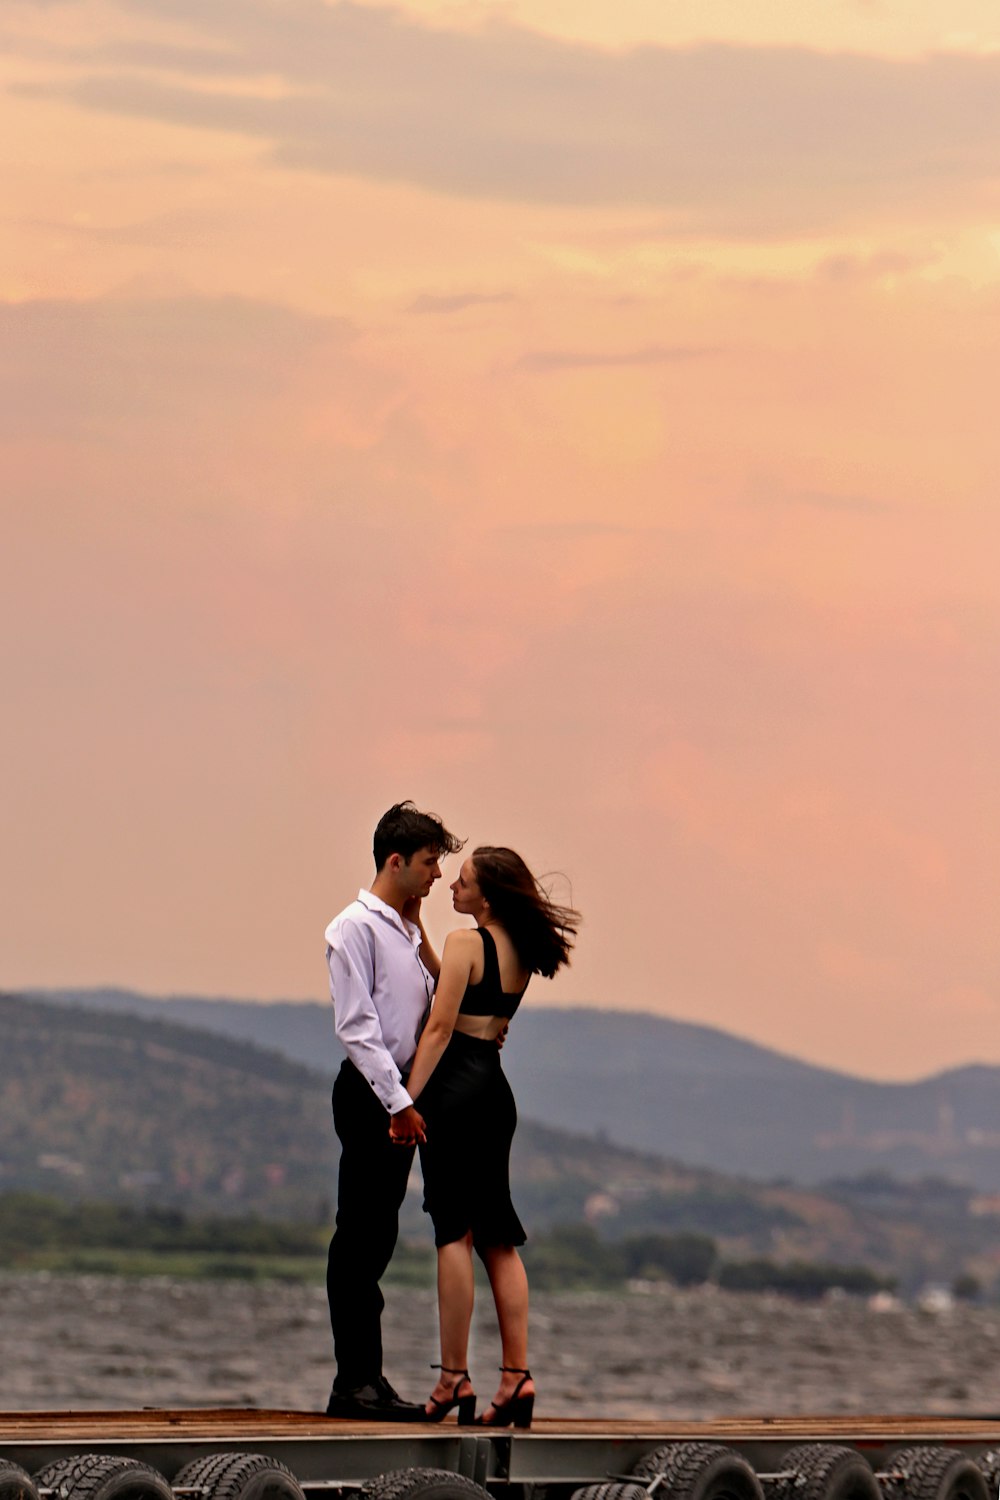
376, 1402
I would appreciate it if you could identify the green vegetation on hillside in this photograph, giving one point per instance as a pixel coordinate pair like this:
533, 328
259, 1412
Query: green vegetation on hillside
798, 1278
118, 1107
162, 1119
38, 1233
710, 1208
574, 1256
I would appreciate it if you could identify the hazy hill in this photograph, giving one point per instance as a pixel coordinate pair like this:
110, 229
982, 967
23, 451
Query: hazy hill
111, 1105
693, 1092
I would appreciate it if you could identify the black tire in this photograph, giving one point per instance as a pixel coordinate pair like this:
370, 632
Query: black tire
827, 1471
699, 1471
935, 1474
99, 1476
422, 1484
239, 1476
989, 1464
15, 1483
610, 1491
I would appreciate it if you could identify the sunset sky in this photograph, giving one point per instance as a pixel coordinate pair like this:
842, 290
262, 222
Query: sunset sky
581, 419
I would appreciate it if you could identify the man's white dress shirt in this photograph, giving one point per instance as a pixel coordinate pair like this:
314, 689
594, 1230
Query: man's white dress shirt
381, 993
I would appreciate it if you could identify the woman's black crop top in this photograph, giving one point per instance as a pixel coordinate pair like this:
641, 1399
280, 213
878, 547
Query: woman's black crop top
487, 998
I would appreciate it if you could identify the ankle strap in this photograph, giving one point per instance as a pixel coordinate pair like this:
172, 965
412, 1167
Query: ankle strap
508, 1369
450, 1370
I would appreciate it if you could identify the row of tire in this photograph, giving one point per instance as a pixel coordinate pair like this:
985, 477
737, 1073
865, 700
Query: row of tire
99, 1476
809, 1471
675, 1471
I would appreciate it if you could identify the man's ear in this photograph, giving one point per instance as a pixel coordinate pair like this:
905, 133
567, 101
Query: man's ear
395, 862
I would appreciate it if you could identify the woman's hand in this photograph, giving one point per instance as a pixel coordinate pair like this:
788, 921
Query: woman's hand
406, 1127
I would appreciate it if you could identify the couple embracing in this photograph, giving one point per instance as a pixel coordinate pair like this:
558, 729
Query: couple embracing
423, 1036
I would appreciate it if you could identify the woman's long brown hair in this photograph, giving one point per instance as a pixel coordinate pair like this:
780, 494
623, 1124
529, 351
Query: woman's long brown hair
542, 931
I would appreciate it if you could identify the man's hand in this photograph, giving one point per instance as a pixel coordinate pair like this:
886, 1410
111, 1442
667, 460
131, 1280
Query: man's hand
406, 1127
502, 1036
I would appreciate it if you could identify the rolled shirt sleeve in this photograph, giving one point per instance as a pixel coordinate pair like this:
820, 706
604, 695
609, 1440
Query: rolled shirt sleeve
351, 961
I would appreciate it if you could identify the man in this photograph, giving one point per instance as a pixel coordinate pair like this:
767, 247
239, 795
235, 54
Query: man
382, 973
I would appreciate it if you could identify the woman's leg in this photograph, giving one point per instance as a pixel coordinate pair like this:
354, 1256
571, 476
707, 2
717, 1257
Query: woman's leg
510, 1293
456, 1293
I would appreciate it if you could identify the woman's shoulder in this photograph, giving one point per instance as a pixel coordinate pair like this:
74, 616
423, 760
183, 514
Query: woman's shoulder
463, 938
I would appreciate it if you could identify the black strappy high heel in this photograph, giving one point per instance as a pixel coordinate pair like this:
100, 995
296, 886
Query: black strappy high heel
466, 1404
518, 1409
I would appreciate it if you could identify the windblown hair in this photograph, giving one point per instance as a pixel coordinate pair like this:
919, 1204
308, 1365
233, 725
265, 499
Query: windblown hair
403, 830
542, 932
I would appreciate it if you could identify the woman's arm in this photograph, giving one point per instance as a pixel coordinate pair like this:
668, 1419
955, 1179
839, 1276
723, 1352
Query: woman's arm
456, 968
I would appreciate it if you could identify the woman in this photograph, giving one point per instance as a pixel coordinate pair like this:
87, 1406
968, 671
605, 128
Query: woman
459, 1087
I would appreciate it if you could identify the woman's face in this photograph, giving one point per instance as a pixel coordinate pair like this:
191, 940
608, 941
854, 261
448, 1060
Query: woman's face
465, 893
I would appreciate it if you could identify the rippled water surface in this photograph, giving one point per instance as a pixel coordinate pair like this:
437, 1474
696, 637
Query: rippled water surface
95, 1341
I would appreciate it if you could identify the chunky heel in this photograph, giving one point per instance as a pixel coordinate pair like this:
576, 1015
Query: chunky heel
466, 1411
518, 1410
522, 1408
466, 1404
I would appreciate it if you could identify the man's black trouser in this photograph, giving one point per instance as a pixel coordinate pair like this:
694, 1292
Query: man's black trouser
373, 1175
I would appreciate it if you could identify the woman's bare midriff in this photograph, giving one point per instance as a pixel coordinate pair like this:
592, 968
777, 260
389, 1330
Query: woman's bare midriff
485, 1028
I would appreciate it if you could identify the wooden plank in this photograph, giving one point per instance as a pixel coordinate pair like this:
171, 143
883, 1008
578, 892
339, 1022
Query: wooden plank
226, 1424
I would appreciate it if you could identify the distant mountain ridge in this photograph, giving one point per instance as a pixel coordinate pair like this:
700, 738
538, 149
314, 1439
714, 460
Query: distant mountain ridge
108, 1105
694, 1093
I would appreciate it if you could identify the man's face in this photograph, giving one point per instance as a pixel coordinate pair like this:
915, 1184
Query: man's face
420, 874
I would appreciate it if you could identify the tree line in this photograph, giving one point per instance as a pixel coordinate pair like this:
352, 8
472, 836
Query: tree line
40, 1232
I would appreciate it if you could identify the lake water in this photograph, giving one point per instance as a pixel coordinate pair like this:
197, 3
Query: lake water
96, 1341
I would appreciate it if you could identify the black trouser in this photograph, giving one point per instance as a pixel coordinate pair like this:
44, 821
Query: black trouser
373, 1175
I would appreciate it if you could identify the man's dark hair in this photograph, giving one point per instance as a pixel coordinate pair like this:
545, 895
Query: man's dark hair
403, 830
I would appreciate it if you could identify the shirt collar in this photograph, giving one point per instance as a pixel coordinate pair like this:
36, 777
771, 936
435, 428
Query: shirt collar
383, 909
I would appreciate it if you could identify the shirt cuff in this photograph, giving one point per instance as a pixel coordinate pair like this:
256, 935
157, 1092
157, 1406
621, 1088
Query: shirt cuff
398, 1099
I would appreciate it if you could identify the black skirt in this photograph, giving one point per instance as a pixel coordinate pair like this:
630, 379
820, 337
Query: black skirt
471, 1118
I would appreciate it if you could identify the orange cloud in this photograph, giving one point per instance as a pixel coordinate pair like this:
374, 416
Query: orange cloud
618, 481
704, 132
